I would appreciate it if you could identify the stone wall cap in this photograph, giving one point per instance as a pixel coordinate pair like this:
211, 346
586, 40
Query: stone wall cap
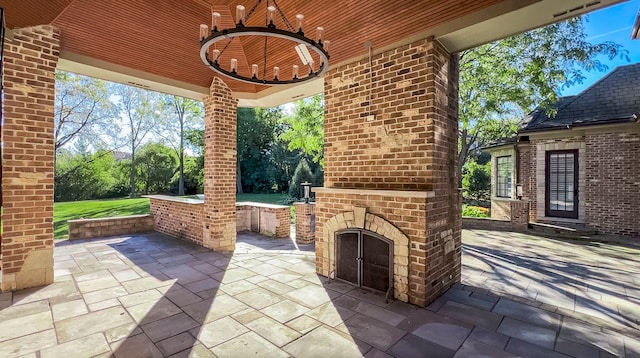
110, 218
176, 199
261, 205
379, 192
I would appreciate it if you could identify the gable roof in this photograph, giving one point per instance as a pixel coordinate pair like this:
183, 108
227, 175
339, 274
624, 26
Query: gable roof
613, 99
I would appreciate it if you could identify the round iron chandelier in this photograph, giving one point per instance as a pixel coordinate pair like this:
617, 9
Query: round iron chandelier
212, 48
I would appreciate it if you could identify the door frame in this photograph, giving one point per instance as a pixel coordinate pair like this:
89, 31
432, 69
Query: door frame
547, 190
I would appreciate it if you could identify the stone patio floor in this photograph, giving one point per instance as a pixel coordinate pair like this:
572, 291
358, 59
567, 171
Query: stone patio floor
151, 296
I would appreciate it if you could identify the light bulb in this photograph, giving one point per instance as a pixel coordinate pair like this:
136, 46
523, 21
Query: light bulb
240, 15
215, 54
215, 21
320, 34
276, 72
271, 15
204, 31
325, 45
254, 70
295, 71
300, 22
234, 65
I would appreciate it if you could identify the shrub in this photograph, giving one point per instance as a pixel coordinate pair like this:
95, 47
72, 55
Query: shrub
475, 211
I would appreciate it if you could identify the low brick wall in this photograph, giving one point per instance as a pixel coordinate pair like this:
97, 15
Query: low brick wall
486, 224
184, 217
519, 220
119, 225
178, 217
274, 220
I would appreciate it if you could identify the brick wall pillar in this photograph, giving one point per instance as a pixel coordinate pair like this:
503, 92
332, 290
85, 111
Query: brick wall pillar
305, 223
519, 215
219, 224
442, 247
26, 247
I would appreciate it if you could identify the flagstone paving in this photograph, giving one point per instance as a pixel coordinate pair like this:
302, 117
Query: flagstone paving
151, 295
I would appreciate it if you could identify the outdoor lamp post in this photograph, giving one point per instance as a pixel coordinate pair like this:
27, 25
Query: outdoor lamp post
307, 191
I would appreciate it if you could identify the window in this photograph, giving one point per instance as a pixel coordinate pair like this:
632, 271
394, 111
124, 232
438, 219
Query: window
503, 184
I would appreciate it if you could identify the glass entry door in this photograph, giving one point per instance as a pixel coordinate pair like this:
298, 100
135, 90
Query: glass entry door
561, 197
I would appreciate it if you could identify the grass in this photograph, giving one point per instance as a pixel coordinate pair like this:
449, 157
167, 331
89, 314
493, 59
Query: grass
90, 209
94, 209
282, 199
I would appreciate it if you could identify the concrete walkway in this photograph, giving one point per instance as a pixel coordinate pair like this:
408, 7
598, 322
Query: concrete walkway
152, 296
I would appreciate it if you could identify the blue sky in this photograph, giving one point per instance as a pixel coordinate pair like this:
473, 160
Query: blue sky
610, 24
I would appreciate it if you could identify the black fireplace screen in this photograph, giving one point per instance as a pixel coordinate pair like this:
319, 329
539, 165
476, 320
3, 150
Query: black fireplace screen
364, 259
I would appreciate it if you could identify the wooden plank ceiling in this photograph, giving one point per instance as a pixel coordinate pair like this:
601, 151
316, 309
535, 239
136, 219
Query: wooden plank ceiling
161, 36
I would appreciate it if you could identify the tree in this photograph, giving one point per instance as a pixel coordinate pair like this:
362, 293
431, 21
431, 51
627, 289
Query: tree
306, 128
136, 107
180, 115
302, 174
155, 167
256, 134
84, 176
194, 139
81, 107
507, 78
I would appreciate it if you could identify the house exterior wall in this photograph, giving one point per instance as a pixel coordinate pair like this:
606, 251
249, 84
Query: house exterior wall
613, 181
608, 186
26, 247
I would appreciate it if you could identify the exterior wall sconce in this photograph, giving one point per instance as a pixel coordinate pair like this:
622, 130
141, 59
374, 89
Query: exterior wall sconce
519, 191
306, 186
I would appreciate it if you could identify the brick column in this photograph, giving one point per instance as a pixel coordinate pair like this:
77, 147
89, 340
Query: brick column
26, 248
519, 215
305, 223
219, 224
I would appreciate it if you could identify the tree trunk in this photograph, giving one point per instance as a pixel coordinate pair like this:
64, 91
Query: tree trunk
181, 159
462, 156
238, 178
132, 174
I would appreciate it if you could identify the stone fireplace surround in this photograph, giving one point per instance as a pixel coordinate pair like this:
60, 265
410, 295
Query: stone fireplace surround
400, 216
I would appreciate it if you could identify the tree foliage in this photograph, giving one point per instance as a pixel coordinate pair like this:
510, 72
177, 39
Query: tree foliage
155, 166
305, 128
178, 116
138, 109
82, 109
503, 80
82, 177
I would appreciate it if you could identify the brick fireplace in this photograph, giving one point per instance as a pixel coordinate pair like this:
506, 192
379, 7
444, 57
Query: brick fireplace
390, 168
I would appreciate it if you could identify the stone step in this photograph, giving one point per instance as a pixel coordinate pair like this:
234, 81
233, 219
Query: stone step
562, 231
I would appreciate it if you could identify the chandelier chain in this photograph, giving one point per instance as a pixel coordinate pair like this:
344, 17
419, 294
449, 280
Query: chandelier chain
284, 18
264, 66
246, 18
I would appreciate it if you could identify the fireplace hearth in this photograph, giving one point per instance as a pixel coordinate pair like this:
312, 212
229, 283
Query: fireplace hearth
364, 259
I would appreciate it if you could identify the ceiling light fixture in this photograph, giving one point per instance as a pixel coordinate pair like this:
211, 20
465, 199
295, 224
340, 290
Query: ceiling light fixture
211, 55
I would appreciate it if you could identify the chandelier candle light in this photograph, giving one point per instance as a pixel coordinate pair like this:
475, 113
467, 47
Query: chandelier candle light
211, 48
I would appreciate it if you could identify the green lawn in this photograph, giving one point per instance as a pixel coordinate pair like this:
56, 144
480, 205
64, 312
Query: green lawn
123, 207
94, 209
281, 199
